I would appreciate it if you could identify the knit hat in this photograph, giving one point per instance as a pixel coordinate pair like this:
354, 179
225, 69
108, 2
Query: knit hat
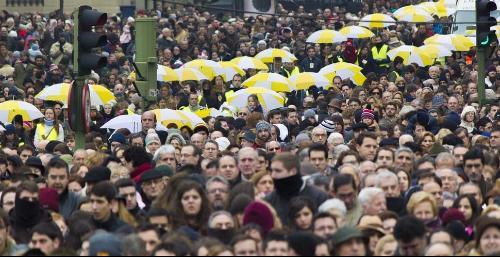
152, 137
492, 68
98, 174
466, 110
345, 234
303, 243
105, 244
223, 143
10, 129
328, 125
451, 215
49, 199
119, 138
258, 213
368, 114
34, 51
309, 114
262, 125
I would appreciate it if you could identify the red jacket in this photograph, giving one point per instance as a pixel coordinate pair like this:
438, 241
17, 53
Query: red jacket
137, 173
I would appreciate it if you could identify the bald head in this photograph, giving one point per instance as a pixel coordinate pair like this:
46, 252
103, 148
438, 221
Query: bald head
148, 120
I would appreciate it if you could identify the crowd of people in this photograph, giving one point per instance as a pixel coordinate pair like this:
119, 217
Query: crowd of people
405, 164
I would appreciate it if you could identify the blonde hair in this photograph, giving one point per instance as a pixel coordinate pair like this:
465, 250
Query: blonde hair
382, 242
258, 176
421, 197
95, 160
442, 134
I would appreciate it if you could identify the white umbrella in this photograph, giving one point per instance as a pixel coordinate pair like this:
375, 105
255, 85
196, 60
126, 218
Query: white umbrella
131, 122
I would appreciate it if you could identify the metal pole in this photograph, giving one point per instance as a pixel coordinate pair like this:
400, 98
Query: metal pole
481, 87
61, 8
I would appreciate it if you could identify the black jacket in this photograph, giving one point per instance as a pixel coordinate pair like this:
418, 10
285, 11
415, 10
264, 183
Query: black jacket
113, 225
24, 217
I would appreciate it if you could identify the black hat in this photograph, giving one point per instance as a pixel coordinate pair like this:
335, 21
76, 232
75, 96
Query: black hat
151, 175
303, 243
37, 163
49, 148
389, 142
359, 126
98, 174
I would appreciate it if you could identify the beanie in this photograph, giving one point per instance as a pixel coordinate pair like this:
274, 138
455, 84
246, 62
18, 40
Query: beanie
258, 213
262, 125
368, 114
119, 138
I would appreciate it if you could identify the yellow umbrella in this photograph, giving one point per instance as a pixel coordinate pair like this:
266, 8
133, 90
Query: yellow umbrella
10, 109
99, 95
209, 68
413, 13
436, 51
268, 55
345, 71
305, 80
165, 74
377, 20
411, 54
269, 99
452, 42
230, 69
179, 118
442, 10
270, 81
186, 74
357, 32
326, 36
247, 63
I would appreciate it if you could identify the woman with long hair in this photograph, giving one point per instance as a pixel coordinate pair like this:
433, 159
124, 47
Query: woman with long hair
192, 208
49, 129
301, 214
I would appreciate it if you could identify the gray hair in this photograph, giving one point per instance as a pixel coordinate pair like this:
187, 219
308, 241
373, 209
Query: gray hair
333, 203
444, 157
166, 149
217, 213
338, 150
334, 136
384, 176
367, 194
133, 246
403, 150
218, 179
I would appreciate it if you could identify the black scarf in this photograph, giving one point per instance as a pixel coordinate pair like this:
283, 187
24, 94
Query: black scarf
224, 235
289, 187
27, 214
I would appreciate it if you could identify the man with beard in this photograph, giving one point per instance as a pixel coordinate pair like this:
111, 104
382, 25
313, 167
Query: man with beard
218, 192
58, 179
285, 171
263, 134
391, 112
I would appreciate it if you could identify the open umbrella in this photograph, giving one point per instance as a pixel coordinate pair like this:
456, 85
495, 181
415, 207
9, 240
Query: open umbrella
271, 81
413, 13
165, 74
411, 54
357, 32
345, 71
436, 51
377, 20
209, 68
459, 43
10, 109
187, 74
247, 63
131, 122
179, 118
269, 99
305, 80
268, 55
326, 36
99, 95
229, 70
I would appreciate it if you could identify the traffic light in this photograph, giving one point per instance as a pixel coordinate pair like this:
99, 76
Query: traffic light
484, 22
87, 40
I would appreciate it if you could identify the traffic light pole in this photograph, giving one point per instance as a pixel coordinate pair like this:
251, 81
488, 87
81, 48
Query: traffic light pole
145, 58
481, 85
76, 92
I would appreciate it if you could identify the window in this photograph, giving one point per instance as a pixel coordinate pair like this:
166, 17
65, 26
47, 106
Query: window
25, 2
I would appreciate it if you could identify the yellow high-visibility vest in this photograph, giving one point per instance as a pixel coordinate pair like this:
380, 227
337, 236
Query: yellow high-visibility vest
295, 71
381, 55
42, 136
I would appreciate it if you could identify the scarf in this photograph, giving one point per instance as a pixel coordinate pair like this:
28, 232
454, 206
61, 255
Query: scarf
49, 123
289, 187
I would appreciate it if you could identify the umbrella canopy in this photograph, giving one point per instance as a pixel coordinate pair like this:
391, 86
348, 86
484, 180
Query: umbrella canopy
413, 13
99, 95
411, 54
131, 122
247, 63
357, 32
304, 81
438, 9
326, 36
268, 55
10, 109
230, 69
179, 118
436, 51
187, 74
345, 71
268, 99
377, 20
165, 74
452, 42
209, 68
270, 81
